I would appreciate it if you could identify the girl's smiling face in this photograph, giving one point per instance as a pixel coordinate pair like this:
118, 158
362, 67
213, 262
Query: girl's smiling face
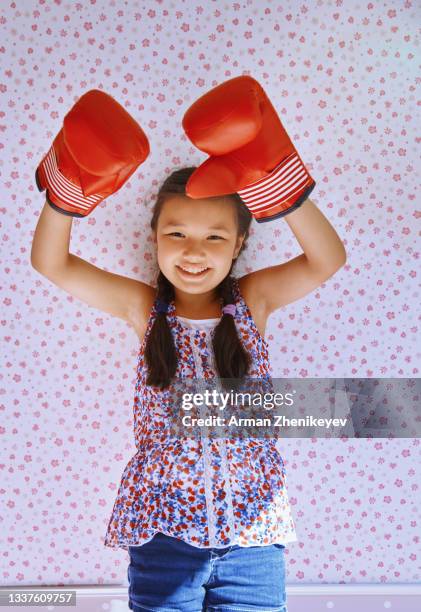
197, 235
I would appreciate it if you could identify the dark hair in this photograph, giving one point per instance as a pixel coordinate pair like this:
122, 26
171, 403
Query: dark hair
231, 358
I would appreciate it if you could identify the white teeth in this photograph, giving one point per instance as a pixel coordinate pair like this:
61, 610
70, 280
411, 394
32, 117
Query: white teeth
193, 271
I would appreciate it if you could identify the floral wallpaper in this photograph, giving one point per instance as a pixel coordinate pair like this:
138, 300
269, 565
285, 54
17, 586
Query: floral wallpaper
344, 79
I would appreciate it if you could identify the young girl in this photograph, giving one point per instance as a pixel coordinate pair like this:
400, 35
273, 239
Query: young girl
205, 521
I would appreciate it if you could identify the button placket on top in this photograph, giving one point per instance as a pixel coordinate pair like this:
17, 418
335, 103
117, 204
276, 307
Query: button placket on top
224, 461
195, 337
199, 358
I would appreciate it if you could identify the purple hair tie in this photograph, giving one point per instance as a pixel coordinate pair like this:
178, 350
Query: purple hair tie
161, 306
229, 309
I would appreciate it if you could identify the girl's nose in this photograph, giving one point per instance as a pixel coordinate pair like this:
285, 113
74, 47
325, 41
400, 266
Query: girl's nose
193, 249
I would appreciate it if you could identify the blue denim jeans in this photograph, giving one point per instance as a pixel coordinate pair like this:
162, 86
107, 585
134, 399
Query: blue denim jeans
169, 575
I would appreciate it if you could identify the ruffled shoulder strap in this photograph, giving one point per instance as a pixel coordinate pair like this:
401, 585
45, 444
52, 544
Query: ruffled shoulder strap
239, 302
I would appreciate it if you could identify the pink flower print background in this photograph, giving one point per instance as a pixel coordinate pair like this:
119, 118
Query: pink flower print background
343, 77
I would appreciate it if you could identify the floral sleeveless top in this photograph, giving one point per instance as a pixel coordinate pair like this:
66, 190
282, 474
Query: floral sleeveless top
208, 493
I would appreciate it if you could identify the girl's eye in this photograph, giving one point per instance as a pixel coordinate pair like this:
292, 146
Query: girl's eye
180, 234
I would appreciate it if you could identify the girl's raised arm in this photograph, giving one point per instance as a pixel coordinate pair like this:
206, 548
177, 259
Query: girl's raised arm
98, 148
120, 296
251, 154
324, 254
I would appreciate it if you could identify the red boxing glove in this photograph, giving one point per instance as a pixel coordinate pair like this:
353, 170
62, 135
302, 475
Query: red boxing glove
93, 155
250, 152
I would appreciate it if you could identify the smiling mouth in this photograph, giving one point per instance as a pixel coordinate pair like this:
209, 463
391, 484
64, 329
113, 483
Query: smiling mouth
192, 274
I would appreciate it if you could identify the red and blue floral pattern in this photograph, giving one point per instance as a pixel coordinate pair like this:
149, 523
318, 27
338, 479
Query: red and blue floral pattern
206, 492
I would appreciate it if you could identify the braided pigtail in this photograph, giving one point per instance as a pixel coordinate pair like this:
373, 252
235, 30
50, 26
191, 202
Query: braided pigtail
160, 351
231, 358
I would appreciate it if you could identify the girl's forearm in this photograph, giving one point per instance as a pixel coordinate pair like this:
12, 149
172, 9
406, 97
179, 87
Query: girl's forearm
50, 244
321, 244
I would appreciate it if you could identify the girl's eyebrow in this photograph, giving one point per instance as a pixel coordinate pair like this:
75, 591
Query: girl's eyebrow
174, 223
